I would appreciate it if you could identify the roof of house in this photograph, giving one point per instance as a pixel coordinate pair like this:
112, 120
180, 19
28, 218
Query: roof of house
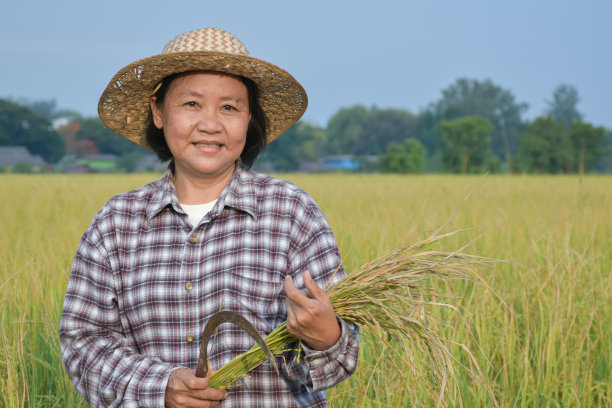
12, 155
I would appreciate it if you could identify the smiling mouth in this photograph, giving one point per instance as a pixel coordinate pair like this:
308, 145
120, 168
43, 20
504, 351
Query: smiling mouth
208, 145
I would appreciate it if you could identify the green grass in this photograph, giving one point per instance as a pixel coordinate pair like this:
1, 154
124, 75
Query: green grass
552, 346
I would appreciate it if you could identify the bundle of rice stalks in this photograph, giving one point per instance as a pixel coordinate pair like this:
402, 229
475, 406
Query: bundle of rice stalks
389, 299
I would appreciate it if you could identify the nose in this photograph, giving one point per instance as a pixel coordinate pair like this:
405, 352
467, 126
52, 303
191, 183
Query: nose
209, 122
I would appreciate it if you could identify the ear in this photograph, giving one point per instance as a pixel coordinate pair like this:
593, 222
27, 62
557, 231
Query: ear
156, 113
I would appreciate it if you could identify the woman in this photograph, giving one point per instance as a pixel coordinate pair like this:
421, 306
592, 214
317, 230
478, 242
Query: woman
157, 262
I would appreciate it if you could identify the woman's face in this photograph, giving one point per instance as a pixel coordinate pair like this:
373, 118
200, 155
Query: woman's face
205, 117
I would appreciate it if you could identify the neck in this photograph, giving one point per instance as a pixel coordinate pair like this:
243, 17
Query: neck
199, 189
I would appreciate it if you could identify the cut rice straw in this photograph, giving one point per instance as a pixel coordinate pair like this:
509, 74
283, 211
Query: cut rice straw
389, 299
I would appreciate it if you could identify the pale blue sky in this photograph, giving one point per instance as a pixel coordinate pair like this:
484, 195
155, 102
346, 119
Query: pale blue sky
397, 54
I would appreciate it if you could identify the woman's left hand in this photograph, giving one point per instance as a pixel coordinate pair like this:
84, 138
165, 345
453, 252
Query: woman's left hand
310, 314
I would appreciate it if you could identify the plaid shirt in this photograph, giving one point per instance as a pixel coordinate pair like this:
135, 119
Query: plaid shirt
145, 282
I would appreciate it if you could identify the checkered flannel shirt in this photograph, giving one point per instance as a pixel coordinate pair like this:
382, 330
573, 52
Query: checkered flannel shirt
144, 283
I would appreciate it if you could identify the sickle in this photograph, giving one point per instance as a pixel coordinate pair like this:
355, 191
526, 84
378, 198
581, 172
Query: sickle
228, 317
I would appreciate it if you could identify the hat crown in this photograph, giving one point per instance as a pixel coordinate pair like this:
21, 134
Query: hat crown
206, 39
125, 104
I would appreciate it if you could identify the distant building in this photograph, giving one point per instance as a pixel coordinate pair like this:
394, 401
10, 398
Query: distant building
330, 164
99, 162
10, 156
344, 162
94, 163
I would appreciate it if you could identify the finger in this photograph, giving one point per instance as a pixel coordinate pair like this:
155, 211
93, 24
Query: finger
291, 313
314, 289
293, 293
212, 394
290, 286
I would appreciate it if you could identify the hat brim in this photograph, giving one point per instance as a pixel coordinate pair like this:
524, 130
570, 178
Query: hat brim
124, 105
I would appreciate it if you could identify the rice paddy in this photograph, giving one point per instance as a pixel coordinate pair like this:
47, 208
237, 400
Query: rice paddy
544, 339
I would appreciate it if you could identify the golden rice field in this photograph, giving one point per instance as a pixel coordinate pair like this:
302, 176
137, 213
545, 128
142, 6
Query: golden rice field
551, 346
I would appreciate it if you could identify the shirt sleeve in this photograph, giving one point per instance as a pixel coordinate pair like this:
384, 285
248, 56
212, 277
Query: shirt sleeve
318, 253
319, 370
102, 362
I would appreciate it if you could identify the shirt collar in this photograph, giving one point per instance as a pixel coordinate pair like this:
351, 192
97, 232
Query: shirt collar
164, 195
240, 193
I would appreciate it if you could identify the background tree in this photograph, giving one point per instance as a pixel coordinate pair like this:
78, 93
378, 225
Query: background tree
302, 142
383, 127
345, 128
20, 126
604, 164
587, 143
43, 108
407, 157
545, 147
107, 141
48, 109
465, 144
562, 108
469, 97
23, 168
128, 162
363, 132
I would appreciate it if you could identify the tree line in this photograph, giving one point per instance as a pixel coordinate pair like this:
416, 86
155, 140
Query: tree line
475, 126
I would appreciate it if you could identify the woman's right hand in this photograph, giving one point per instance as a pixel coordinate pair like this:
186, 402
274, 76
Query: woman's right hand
184, 389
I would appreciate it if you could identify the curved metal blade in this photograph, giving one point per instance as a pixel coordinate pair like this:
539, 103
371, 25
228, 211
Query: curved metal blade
227, 316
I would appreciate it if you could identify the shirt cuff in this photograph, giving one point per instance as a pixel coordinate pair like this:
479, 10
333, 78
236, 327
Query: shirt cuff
310, 352
152, 386
322, 364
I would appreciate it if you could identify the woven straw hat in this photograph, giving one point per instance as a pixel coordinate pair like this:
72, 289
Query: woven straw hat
124, 104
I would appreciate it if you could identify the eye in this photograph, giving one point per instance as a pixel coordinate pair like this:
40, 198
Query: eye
191, 104
229, 108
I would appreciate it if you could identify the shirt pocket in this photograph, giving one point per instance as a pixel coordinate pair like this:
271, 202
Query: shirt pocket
260, 298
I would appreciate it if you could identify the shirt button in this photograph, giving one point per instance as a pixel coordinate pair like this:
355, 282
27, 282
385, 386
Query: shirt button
193, 239
189, 286
189, 337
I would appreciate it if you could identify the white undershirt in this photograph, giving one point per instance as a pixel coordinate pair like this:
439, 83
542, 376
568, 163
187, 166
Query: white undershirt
197, 211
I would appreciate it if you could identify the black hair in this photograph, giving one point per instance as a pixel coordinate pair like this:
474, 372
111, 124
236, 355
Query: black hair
257, 131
